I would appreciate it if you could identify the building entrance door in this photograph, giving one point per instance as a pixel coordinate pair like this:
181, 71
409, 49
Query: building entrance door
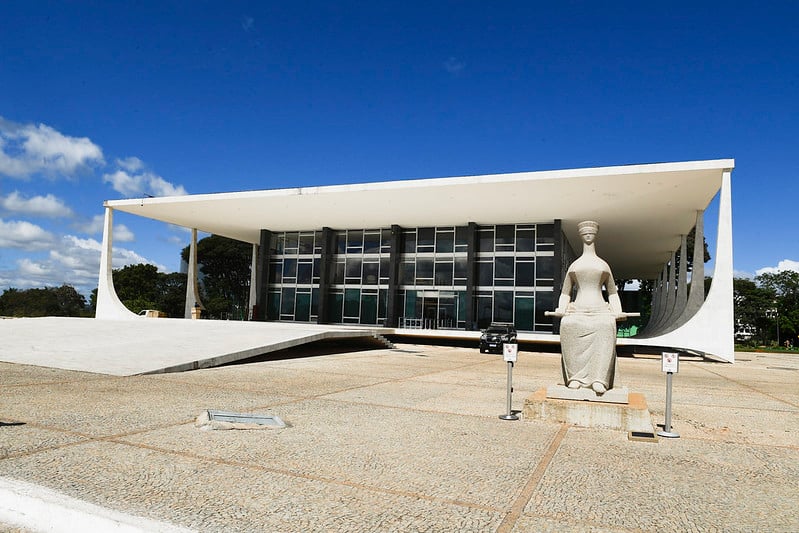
430, 312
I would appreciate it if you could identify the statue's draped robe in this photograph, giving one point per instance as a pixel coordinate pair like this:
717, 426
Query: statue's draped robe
588, 332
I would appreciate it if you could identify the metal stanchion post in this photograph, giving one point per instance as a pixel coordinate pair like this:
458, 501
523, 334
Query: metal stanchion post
509, 352
671, 365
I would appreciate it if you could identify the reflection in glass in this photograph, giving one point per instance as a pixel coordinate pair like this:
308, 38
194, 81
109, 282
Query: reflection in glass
352, 299
443, 274
503, 306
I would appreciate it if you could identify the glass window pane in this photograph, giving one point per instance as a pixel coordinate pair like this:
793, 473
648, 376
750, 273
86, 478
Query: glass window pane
370, 273
318, 238
354, 241
352, 300
382, 303
546, 267
525, 241
369, 309
371, 243
385, 240
304, 271
273, 305
336, 302
353, 267
408, 273
409, 242
314, 301
289, 268
306, 244
277, 244
460, 270
303, 312
340, 244
505, 237
276, 272
338, 273
503, 306
543, 302
317, 269
384, 269
287, 302
525, 273
503, 267
424, 268
486, 238
546, 234
484, 311
292, 242
410, 304
443, 273
445, 241
426, 237
461, 233
485, 274
523, 318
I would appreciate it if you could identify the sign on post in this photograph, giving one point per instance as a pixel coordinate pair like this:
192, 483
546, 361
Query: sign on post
509, 352
670, 362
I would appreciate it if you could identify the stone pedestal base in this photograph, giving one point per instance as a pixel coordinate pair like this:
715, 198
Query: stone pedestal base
561, 392
632, 416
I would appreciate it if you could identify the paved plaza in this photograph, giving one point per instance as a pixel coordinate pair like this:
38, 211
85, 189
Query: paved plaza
408, 439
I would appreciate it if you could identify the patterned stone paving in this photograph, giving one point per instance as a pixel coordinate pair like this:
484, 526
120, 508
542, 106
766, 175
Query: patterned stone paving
409, 440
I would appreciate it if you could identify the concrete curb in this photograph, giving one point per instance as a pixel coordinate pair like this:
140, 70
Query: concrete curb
37, 508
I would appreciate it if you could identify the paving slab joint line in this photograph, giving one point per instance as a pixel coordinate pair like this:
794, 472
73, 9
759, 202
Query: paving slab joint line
37, 508
750, 387
518, 506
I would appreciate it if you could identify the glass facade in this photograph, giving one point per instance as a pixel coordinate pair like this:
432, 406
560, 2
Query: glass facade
510, 276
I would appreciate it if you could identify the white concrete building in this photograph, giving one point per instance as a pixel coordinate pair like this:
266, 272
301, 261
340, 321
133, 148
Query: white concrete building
458, 253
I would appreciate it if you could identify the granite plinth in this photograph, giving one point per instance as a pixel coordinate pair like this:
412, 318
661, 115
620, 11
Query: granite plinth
632, 416
615, 395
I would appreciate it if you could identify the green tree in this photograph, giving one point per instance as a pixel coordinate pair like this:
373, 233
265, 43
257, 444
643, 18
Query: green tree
785, 286
172, 294
225, 267
137, 286
751, 302
48, 301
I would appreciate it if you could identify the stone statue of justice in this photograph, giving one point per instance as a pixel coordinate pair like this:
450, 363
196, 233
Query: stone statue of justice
588, 323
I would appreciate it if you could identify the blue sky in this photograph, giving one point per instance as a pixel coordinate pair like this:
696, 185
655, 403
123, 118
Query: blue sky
101, 100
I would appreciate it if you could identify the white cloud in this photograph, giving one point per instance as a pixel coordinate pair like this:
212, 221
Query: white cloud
28, 149
92, 227
742, 274
785, 264
73, 261
454, 66
143, 184
123, 234
23, 235
131, 164
95, 226
44, 206
29, 269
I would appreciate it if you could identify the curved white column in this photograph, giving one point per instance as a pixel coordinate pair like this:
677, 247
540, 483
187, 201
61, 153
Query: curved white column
711, 329
681, 294
109, 306
192, 286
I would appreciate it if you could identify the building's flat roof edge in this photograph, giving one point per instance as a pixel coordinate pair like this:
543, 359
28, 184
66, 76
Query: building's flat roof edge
710, 164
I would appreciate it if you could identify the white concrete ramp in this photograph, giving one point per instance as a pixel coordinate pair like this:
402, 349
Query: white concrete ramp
151, 345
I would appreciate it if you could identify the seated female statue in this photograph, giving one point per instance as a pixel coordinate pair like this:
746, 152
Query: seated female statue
588, 325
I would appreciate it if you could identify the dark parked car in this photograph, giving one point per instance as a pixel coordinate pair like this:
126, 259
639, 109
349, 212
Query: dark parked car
493, 338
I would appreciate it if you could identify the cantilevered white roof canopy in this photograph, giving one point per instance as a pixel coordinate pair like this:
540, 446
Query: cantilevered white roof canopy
642, 209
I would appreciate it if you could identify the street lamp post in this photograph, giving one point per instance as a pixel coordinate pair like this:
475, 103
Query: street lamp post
775, 314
